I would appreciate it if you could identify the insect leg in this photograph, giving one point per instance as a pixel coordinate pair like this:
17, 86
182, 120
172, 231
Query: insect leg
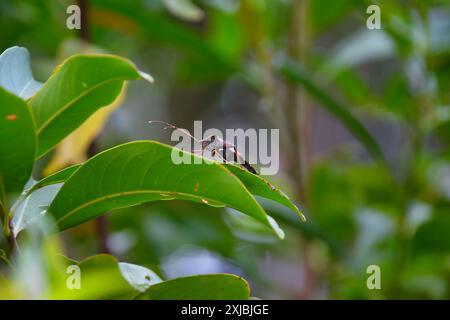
245, 163
214, 153
169, 125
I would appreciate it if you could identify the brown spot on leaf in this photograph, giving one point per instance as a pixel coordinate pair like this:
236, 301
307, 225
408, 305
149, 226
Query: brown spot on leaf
196, 187
11, 117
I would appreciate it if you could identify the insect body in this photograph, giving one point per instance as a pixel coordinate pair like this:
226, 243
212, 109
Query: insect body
216, 146
226, 151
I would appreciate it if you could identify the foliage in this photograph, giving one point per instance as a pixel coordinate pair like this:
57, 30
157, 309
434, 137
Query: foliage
368, 157
120, 177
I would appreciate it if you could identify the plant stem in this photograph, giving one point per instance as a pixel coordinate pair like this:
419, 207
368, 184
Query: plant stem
299, 117
14, 246
299, 106
85, 26
7, 230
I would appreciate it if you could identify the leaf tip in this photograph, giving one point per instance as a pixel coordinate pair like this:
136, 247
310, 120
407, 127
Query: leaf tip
146, 76
302, 216
276, 227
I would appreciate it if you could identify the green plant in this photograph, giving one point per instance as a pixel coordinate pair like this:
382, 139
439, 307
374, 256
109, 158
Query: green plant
34, 117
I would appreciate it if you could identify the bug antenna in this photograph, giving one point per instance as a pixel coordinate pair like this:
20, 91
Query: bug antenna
171, 126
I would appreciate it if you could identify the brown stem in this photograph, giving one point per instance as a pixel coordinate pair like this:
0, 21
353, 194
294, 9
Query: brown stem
13, 245
299, 106
7, 231
85, 26
299, 117
101, 225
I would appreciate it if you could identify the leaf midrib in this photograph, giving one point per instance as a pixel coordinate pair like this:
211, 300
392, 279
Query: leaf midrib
127, 193
73, 101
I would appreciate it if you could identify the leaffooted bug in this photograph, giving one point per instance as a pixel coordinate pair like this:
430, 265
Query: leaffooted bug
226, 151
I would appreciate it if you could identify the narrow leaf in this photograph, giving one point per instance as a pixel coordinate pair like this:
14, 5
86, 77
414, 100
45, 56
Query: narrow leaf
293, 72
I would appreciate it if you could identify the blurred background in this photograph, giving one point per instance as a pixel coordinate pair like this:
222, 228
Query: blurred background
364, 119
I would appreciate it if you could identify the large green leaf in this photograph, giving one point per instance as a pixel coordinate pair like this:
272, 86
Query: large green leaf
201, 287
77, 88
256, 184
143, 171
17, 144
300, 76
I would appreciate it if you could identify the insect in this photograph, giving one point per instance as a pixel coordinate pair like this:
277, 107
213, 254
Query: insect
225, 150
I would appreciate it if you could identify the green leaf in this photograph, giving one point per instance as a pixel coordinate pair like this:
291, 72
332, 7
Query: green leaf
201, 287
15, 73
433, 237
293, 72
260, 187
57, 177
77, 88
17, 144
143, 171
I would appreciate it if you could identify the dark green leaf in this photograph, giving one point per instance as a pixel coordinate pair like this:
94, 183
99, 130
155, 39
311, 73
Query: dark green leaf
17, 144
